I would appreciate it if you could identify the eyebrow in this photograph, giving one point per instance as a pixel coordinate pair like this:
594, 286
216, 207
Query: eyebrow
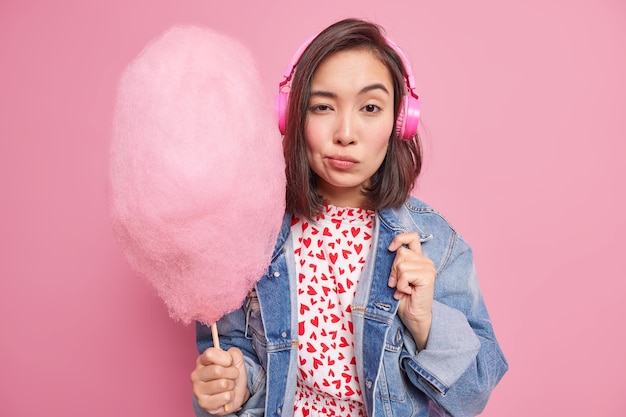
366, 89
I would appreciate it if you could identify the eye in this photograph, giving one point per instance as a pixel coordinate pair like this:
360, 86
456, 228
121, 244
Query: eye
371, 108
320, 108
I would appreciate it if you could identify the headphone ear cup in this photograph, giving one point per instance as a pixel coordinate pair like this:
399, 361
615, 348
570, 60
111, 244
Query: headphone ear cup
280, 106
408, 118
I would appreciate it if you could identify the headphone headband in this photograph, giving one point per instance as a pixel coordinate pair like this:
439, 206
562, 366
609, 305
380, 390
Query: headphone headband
294, 61
408, 117
410, 79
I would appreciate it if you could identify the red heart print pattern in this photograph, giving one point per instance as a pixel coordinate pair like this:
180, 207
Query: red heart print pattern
328, 277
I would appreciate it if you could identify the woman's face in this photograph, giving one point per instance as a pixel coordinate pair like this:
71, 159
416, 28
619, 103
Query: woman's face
349, 120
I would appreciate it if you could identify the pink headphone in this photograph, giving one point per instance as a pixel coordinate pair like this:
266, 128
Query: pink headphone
408, 117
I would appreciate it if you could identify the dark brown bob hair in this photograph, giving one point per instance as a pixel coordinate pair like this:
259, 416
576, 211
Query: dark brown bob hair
393, 181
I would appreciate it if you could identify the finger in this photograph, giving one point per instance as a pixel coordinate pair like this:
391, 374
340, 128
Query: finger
213, 356
408, 276
215, 403
408, 239
212, 386
210, 373
405, 284
397, 276
405, 256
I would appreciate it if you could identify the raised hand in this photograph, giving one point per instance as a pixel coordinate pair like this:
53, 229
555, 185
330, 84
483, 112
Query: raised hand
413, 277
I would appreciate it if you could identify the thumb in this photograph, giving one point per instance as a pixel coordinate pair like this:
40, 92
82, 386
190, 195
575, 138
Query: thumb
236, 356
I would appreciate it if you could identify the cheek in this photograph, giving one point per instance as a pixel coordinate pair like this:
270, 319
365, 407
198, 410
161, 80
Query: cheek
390, 126
311, 143
380, 132
313, 134
379, 146
382, 152
381, 138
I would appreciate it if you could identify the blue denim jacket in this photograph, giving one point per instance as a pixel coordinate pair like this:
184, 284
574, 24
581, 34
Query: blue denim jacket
453, 376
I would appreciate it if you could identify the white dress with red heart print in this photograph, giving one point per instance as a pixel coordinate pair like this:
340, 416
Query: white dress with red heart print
330, 254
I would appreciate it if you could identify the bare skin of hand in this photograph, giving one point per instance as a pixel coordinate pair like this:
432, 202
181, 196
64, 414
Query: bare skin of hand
220, 380
413, 277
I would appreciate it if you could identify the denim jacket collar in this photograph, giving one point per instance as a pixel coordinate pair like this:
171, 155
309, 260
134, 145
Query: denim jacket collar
395, 219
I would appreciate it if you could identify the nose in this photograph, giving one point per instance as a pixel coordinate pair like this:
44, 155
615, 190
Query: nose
345, 131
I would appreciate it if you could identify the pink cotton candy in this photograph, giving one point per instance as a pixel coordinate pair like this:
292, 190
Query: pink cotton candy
196, 172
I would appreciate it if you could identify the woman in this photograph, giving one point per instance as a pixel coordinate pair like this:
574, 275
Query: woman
371, 304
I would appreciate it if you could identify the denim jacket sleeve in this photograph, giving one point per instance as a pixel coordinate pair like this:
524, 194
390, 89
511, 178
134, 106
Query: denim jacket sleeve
462, 361
230, 328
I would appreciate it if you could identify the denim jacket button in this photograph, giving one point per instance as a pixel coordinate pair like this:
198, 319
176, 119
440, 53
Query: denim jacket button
276, 274
368, 384
278, 411
283, 335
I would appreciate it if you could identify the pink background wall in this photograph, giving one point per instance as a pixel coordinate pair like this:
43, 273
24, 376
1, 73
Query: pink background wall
524, 110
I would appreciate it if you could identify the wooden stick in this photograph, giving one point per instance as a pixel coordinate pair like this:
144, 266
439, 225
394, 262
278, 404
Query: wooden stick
216, 338
216, 344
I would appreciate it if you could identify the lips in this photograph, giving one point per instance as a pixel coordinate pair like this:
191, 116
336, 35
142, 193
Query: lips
341, 161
